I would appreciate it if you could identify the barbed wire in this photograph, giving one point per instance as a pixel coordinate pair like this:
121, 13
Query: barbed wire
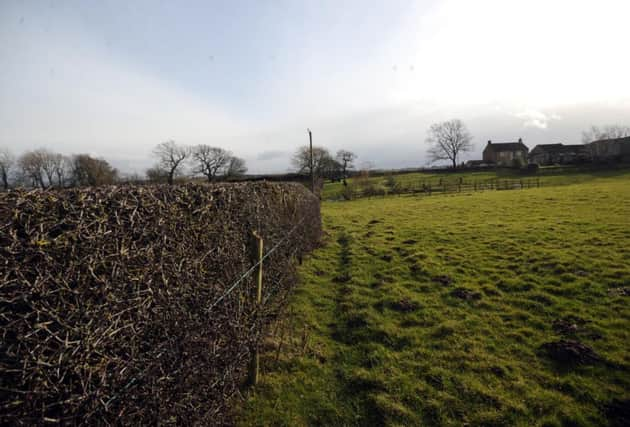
253, 267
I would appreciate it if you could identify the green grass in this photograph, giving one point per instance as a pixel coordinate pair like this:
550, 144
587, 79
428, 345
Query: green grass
375, 334
547, 176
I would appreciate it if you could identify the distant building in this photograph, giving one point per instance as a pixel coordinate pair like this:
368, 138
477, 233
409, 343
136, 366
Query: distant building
505, 153
607, 150
551, 154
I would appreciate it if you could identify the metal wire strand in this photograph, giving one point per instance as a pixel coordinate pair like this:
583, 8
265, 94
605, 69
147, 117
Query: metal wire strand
253, 267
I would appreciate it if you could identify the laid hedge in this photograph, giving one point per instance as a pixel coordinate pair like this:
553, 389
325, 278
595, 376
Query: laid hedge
106, 296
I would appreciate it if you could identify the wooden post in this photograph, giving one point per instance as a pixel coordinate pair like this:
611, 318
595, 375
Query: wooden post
254, 364
260, 269
310, 140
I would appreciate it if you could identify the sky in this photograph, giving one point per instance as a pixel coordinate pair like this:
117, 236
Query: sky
115, 78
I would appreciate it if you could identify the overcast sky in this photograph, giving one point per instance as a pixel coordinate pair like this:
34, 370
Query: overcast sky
114, 78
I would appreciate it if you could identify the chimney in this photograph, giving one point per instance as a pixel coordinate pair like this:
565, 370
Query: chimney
520, 140
489, 142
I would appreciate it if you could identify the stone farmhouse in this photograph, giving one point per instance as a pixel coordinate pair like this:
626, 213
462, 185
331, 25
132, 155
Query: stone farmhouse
505, 153
514, 154
552, 154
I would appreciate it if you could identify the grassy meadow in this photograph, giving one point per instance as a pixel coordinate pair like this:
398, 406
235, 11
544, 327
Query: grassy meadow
546, 176
436, 311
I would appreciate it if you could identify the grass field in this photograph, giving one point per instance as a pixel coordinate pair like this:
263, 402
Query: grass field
546, 176
435, 311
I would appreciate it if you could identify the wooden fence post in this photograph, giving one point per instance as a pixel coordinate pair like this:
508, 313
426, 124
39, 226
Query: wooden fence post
254, 364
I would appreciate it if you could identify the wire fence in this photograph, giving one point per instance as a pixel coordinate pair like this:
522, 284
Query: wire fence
430, 187
247, 307
140, 304
272, 289
256, 265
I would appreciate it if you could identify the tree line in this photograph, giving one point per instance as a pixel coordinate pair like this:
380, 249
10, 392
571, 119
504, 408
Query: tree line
42, 168
175, 160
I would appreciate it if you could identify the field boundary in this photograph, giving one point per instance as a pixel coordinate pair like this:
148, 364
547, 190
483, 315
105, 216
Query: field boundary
433, 187
138, 305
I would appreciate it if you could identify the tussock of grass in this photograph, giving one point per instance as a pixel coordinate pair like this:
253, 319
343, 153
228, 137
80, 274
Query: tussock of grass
450, 327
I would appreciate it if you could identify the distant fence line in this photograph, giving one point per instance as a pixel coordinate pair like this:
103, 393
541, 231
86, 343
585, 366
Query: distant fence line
433, 187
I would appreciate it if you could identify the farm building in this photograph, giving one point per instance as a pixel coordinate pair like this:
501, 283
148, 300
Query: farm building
505, 153
550, 154
617, 149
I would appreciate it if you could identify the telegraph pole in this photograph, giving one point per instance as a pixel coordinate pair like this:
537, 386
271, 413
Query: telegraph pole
310, 139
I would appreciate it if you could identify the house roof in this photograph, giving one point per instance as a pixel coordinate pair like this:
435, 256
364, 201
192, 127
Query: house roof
506, 146
625, 139
548, 146
558, 148
576, 146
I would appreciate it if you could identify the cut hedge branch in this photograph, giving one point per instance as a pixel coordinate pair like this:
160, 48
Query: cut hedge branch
104, 298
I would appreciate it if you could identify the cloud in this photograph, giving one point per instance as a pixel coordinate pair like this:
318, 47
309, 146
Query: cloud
69, 91
536, 119
94, 102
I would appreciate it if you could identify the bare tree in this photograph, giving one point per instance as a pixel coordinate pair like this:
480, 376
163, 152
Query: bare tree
236, 167
32, 165
321, 160
48, 162
89, 171
61, 167
595, 133
346, 160
170, 158
447, 140
43, 168
6, 165
331, 169
210, 161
